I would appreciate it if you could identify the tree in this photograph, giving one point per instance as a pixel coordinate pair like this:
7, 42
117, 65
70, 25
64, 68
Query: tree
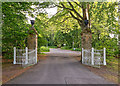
100, 16
73, 8
14, 26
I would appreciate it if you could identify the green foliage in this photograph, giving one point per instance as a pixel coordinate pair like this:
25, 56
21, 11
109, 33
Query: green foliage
62, 37
70, 48
40, 26
43, 49
66, 47
112, 49
14, 27
103, 25
59, 38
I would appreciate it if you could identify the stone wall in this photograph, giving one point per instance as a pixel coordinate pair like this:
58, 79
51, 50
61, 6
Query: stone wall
32, 41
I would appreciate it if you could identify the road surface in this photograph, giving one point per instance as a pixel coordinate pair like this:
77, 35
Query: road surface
59, 68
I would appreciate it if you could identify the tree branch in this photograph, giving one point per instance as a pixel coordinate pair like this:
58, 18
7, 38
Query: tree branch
75, 17
75, 11
84, 11
77, 4
70, 9
64, 7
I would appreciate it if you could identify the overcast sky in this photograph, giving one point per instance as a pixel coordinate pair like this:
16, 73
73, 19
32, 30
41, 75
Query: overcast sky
50, 11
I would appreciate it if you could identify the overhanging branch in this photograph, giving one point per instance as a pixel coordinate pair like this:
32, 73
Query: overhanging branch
75, 10
64, 7
77, 4
75, 17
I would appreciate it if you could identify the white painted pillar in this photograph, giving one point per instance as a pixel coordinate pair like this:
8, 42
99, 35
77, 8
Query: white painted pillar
14, 55
82, 55
92, 58
104, 60
26, 59
36, 55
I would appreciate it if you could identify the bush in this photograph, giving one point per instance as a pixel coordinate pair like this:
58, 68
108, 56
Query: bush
43, 49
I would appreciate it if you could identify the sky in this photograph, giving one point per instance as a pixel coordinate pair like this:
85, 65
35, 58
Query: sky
50, 11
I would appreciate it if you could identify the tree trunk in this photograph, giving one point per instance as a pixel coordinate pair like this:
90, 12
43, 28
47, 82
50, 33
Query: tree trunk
86, 35
86, 39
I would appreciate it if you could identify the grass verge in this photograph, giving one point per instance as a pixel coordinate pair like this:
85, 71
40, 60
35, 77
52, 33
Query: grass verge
69, 48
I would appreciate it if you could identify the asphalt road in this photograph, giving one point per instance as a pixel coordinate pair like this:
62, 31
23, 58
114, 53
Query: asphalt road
59, 68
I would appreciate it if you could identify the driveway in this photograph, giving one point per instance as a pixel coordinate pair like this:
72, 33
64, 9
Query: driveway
59, 68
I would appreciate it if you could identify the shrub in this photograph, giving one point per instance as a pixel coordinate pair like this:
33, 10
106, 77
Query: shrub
43, 49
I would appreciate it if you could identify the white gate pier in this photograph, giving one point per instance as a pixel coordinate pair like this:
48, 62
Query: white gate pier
94, 57
25, 56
